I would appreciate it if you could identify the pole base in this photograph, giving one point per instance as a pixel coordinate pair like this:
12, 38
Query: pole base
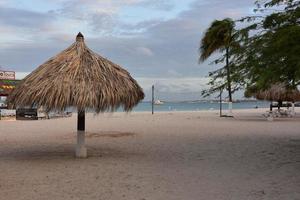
81, 152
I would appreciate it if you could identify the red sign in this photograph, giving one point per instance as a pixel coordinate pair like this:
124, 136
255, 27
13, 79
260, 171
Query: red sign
7, 75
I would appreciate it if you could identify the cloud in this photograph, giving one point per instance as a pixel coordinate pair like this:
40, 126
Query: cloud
139, 27
185, 88
23, 18
102, 22
145, 51
107, 16
21, 75
173, 73
3, 2
165, 5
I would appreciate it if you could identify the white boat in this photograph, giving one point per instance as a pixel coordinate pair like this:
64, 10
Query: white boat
158, 102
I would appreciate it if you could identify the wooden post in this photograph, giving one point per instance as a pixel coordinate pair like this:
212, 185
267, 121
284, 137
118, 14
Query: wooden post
221, 103
81, 121
271, 107
81, 151
230, 109
152, 99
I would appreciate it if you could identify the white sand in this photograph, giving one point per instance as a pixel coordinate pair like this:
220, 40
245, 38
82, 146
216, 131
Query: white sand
168, 156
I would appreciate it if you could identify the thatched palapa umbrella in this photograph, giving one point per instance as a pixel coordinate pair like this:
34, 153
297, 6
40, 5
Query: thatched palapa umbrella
277, 92
78, 77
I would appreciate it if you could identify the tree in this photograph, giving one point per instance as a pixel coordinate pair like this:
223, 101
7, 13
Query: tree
222, 37
272, 51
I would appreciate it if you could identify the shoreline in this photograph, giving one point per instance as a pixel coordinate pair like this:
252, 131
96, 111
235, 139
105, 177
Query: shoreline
236, 112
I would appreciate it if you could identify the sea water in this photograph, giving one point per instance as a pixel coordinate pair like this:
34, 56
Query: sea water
190, 106
198, 106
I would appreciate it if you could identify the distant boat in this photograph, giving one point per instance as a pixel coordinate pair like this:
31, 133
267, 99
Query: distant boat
158, 102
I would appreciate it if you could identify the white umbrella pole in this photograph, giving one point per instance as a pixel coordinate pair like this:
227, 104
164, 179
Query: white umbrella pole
81, 151
293, 109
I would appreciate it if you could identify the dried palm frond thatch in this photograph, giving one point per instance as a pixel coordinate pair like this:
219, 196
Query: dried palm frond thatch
278, 92
80, 78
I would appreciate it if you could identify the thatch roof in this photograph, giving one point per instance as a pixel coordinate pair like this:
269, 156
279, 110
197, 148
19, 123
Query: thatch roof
80, 78
278, 92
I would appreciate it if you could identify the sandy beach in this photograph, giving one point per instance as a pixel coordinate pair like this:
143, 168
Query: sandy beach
168, 156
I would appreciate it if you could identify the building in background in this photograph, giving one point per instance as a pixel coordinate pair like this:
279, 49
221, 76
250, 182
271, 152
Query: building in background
7, 84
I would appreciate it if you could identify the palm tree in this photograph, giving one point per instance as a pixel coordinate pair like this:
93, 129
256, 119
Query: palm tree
220, 36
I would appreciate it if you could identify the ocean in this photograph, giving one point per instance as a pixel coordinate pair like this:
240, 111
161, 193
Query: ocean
191, 106
198, 106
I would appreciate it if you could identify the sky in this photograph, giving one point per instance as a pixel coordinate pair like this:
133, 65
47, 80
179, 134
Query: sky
157, 41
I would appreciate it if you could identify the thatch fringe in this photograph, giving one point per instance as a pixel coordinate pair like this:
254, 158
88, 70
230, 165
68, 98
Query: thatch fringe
78, 77
278, 92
